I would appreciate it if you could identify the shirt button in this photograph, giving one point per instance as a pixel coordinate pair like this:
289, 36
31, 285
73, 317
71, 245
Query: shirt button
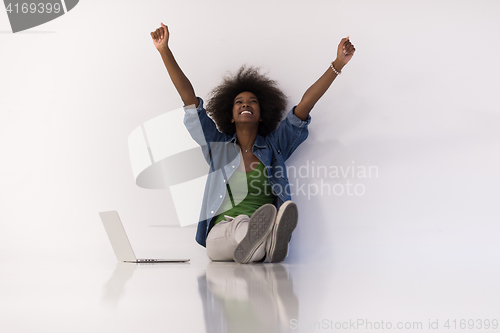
212, 212
233, 166
221, 196
224, 180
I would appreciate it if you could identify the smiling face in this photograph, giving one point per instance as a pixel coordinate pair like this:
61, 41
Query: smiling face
246, 108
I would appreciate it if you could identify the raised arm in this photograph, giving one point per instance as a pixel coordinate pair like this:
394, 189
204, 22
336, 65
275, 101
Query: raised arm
345, 51
180, 81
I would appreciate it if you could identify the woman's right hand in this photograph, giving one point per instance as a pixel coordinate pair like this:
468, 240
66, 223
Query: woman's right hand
160, 37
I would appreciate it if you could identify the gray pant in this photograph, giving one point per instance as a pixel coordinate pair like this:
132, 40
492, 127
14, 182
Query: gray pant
225, 236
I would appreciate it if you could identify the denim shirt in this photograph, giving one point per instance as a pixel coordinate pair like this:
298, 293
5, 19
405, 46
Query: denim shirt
223, 156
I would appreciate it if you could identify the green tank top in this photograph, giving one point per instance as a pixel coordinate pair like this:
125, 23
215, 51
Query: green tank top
246, 191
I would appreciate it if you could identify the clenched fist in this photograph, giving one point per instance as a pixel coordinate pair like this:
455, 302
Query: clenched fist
160, 37
345, 51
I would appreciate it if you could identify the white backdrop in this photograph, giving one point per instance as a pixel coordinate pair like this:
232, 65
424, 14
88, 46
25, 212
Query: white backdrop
418, 103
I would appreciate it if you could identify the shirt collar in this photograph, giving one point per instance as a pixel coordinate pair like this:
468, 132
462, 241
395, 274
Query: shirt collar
260, 142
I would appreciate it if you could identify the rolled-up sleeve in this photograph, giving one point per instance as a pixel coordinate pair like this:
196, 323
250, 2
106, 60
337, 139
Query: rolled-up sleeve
291, 133
201, 127
296, 121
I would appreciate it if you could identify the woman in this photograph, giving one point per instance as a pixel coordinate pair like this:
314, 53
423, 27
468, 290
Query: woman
247, 213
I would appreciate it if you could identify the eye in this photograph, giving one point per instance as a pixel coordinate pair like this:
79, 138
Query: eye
237, 102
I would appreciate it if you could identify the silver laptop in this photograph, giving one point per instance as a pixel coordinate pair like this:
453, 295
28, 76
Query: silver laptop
119, 240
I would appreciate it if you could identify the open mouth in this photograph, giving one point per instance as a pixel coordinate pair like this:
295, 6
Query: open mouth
246, 112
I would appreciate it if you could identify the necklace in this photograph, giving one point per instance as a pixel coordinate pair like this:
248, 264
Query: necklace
246, 150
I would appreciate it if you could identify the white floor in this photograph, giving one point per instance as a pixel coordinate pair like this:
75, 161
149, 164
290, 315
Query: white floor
359, 292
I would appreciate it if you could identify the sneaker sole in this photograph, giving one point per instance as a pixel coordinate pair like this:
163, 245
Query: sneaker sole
286, 222
259, 227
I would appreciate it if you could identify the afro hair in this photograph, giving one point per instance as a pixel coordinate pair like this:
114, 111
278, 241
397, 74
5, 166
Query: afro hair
272, 100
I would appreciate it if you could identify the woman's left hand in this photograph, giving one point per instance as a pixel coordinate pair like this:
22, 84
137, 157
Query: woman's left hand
345, 51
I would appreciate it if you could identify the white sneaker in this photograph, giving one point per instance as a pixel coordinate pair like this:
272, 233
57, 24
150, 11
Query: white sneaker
259, 227
286, 221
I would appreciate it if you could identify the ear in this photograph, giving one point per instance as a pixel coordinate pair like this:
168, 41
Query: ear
232, 120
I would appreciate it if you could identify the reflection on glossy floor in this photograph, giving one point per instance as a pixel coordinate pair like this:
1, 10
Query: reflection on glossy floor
96, 294
234, 298
247, 298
